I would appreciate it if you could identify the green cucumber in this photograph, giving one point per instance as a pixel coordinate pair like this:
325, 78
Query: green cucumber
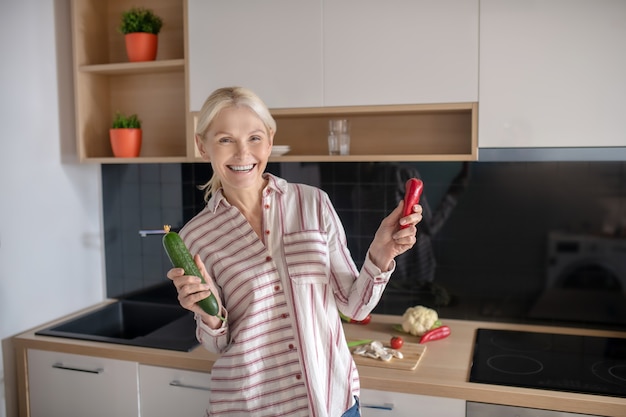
181, 258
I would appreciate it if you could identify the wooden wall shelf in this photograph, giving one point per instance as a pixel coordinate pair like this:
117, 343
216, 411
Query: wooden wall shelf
382, 133
105, 82
419, 132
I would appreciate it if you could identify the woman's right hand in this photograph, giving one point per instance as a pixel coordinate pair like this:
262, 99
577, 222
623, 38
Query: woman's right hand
191, 290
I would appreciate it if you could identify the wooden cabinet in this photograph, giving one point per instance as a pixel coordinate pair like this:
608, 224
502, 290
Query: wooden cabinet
105, 82
382, 133
375, 403
400, 52
70, 385
173, 392
552, 74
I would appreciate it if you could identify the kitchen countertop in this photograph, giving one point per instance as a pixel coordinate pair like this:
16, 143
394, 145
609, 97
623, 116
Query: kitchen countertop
443, 371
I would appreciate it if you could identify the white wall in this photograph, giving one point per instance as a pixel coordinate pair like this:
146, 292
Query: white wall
51, 237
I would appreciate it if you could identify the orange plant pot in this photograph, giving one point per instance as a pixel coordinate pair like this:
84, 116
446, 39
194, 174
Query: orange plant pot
126, 142
141, 46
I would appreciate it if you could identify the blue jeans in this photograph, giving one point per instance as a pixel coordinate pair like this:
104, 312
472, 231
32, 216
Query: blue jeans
354, 410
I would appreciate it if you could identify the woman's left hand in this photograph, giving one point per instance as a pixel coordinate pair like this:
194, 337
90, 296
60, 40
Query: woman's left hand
390, 240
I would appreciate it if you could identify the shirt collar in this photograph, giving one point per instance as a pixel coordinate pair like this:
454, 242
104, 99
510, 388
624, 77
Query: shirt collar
274, 183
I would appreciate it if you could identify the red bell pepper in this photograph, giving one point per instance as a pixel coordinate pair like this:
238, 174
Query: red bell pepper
412, 193
347, 319
437, 333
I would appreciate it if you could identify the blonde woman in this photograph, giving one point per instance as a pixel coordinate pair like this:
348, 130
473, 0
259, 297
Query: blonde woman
274, 254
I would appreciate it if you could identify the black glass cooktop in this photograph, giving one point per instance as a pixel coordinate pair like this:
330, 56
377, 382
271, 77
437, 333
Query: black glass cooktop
583, 364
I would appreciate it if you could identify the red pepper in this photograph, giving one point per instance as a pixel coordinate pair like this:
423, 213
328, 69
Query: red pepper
438, 333
412, 193
347, 319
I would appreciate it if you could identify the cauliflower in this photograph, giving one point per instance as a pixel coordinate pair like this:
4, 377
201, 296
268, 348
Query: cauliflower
418, 320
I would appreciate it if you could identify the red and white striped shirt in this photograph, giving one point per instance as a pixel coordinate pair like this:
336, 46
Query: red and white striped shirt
282, 350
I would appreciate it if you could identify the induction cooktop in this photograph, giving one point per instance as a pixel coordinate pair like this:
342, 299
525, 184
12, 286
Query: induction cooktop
582, 364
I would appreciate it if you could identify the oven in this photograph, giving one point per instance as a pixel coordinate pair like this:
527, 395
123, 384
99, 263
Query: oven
475, 409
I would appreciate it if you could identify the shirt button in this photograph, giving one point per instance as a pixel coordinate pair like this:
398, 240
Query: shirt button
290, 346
284, 315
267, 232
268, 258
277, 288
298, 376
267, 206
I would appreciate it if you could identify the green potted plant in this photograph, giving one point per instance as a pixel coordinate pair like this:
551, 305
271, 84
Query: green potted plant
140, 27
125, 135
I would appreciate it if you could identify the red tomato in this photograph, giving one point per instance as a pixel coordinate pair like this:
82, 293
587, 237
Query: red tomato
396, 342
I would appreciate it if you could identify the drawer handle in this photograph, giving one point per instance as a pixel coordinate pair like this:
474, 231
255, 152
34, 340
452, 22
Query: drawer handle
385, 406
60, 365
177, 383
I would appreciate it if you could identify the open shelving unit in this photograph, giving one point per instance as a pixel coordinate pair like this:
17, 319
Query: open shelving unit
418, 132
157, 91
105, 82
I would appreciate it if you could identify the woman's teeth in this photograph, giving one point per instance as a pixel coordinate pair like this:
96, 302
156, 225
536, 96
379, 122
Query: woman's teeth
241, 167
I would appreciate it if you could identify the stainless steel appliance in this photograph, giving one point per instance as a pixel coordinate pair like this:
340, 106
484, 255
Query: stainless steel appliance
492, 410
582, 364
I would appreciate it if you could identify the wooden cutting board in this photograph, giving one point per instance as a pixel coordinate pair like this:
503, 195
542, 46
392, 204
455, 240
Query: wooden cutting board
413, 353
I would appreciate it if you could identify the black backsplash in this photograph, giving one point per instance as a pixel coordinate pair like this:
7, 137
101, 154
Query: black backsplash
493, 252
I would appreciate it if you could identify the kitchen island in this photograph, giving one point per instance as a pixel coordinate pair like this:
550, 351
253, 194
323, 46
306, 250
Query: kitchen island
442, 372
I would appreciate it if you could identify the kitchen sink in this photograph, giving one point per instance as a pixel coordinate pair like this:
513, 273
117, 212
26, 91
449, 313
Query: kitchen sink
131, 322
164, 293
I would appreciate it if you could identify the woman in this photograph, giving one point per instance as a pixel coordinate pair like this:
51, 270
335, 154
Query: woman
274, 254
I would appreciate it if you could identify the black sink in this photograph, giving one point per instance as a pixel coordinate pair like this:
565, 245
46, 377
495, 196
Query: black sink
130, 322
164, 293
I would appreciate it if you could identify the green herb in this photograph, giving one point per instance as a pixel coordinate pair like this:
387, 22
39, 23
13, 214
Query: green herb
139, 19
126, 122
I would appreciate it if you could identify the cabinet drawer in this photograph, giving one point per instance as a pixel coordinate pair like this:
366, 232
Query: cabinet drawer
62, 384
169, 392
375, 403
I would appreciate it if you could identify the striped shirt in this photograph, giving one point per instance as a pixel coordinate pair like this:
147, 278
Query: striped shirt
282, 350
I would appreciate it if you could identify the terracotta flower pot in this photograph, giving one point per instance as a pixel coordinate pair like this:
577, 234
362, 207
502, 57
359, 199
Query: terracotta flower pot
125, 142
141, 46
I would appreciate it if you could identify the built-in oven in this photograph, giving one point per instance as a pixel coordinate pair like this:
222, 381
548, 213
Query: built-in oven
475, 409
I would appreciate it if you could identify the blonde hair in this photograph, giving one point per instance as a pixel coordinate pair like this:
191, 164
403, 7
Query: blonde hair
223, 98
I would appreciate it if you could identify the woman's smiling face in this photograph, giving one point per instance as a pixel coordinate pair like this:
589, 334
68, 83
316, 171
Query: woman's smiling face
238, 146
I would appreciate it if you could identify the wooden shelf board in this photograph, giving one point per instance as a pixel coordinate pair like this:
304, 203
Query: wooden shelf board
373, 158
139, 160
135, 67
366, 110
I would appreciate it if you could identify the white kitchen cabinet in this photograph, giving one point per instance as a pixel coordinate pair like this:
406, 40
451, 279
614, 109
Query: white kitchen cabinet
273, 47
400, 52
172, 392
552, 73
405, 73
376, 403
69, 385
302, 53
